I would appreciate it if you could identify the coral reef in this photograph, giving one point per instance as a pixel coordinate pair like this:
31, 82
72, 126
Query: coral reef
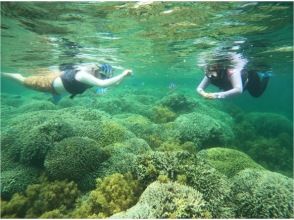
203, 130
275, 154
113, 194
17, 179
178, 103
162, 114
40, 199
134, 143
36, 143
267, 138
143, 128
122, 156
213, 185
270, 124
73, 158
123, 104
228, 161
168, 200
262, 194
29, 141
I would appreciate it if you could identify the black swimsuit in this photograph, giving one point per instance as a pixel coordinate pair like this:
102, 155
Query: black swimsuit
70, 83
222, 80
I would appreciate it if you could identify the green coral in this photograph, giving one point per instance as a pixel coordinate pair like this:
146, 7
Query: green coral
162, 114
267, 138
112, 132
122, 156
203, 130
126, 103
113, 194
270, 124
29, 141
177, 146
273, 153
263, 194
142, 127
178, 103
17, 179
36, 105
228, 161
73, 158
168, 200
40, 139
42, 198
214, 186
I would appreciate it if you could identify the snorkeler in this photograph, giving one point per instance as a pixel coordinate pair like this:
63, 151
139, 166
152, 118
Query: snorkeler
72, 79
229, 75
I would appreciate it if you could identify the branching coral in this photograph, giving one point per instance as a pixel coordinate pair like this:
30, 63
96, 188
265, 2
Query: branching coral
73, 158
263, 194
143, 128
162, 114
113, 194
228, 161
214, 186
122, 156
267, 138
17, 179
270, 124
28, 142
168, 200
178, 103
42, 198
203, 130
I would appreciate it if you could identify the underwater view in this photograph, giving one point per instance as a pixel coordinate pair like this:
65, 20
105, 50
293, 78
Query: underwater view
147, 109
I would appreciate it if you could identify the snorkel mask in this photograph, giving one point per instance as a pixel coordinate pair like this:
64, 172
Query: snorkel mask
106, 70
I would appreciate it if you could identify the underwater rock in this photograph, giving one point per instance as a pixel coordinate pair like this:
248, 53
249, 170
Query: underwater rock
167, 200
263, 194
228, 161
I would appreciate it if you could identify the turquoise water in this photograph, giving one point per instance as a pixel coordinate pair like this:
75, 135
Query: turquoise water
235, 156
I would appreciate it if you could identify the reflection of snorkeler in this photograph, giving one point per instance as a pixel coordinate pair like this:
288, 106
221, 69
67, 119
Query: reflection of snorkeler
73, 79
230, 76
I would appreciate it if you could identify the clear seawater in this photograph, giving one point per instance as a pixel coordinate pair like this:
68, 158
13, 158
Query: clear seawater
162, 42
160, 45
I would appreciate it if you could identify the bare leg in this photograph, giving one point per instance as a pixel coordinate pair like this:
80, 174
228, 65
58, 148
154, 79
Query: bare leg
15, 76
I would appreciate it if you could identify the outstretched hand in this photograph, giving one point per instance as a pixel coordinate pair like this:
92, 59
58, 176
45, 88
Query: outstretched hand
208, 95
128, 72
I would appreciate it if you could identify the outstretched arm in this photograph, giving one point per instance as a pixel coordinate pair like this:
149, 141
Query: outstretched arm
91, 80
204, 83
